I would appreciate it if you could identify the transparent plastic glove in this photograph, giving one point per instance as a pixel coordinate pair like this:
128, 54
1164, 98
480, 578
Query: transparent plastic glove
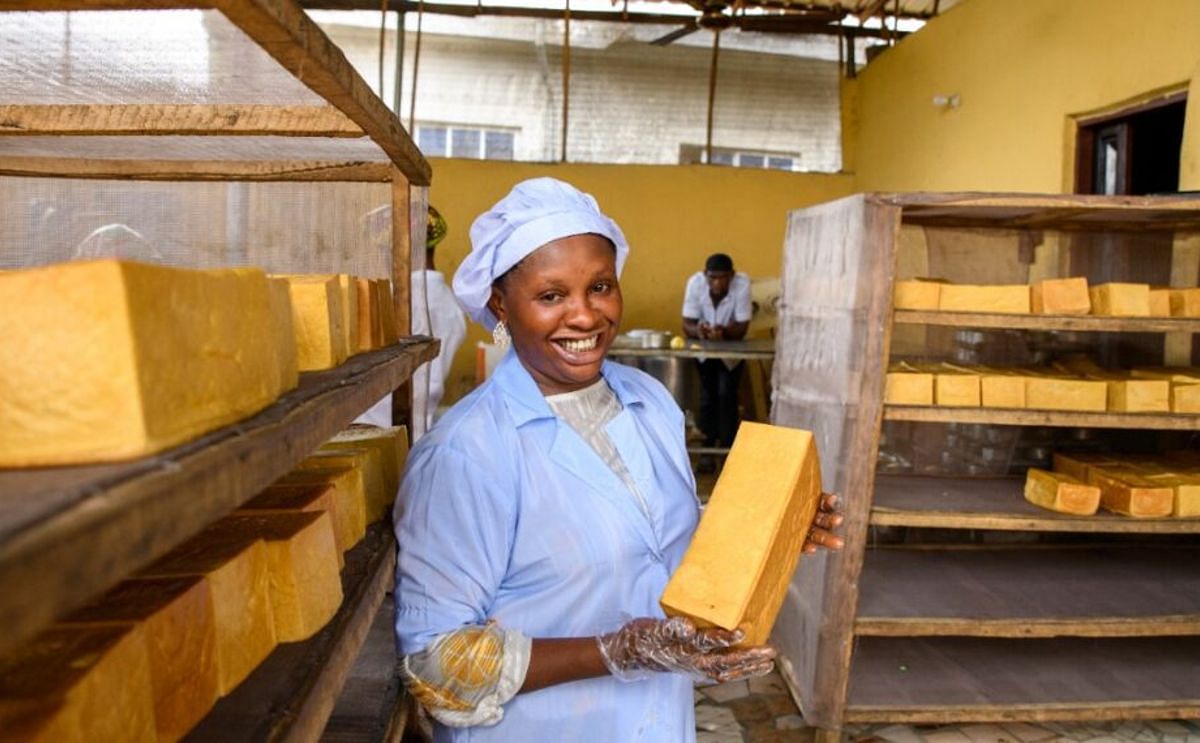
674, 645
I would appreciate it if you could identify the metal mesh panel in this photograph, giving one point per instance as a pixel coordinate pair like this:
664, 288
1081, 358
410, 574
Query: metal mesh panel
281, 227
192, 56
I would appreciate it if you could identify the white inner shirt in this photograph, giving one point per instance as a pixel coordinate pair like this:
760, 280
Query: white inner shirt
588, 411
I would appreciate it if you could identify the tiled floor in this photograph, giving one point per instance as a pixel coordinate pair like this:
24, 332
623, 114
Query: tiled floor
761, 710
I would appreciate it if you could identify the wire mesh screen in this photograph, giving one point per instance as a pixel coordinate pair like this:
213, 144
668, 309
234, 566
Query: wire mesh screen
102, 57
281, 227
492, 88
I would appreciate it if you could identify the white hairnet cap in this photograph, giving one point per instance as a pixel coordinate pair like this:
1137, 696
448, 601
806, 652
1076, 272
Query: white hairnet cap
535, 212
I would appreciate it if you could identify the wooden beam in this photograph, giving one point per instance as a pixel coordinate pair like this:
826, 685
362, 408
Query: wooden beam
192, 170
615, 16
176, 120
870, 10
285, 32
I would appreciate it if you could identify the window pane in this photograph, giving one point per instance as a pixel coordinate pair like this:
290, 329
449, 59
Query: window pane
751, 161
464, 143
499, 145
780, 163
722, 158
432, 140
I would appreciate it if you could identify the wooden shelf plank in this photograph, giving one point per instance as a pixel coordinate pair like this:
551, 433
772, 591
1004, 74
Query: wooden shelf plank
1118, 592
960, 679
1081, 323
1025, 417
197, 170
286, 32
994, 503
145, 119
79, 530
372, 706
291, 695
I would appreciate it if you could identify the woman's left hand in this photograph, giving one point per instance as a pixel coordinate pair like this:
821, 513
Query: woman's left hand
825, 523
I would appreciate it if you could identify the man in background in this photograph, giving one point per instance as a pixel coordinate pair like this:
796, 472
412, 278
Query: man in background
435, 312
716, 306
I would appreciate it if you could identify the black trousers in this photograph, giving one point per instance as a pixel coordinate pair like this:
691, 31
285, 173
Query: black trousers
719, 401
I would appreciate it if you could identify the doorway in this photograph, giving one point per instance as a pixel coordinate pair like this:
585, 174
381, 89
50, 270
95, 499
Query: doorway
1132, 152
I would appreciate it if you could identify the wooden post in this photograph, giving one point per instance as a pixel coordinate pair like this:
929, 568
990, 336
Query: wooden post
712, 96
566, 112
382, 41
412, 107
398, 87
402, 402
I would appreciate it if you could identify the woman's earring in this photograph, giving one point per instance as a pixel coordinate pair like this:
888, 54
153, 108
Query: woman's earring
500, 335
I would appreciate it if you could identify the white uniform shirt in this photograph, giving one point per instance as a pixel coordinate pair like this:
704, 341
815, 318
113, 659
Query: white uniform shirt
449, 326
734, 306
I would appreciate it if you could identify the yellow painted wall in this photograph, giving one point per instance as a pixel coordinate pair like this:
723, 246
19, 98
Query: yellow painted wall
673, 217
1021, 67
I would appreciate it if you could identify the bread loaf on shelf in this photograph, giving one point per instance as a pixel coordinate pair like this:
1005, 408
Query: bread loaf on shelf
1060, 492
905, 385
366, 460
84, 684
955, 387
1127, 492
108, 360
1160, 301
302, 559
917, 294
176, 621
1004, 298
284, 333
1000, 388
235, 566
1119, 299
1059, 392
349, 288
387, 313
349, 497
1061, 297
391, 443
317, 497
1185, 302
370, 329
737, 568
317, 321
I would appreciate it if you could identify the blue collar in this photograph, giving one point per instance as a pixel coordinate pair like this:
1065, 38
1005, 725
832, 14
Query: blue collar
527, 403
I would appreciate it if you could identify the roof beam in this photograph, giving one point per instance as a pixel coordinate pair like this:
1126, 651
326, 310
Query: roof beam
473, 11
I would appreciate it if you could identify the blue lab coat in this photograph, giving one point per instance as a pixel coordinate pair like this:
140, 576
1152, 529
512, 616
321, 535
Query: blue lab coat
506, 513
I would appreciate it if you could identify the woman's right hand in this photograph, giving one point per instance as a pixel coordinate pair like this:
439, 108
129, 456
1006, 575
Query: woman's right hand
675, 645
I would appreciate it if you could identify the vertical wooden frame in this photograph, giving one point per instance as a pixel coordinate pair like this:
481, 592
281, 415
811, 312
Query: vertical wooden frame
833, 337
402, 403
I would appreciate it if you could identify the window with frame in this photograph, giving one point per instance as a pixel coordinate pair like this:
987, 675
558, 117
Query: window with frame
693, 154
472, 142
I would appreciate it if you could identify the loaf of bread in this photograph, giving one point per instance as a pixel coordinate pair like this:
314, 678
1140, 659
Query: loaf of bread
78, 684
907, 386
737, 568
390, 442
318, 497
176, 621
317, 321
235, 566
1060, 492
917, 294
302, 559
1129, 493
1061, 297
349, 499
1129, 300
1005, 298
109, 360
367, 461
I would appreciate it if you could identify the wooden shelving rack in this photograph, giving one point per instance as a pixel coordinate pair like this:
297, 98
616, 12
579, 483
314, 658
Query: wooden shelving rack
1062, 618
274, 102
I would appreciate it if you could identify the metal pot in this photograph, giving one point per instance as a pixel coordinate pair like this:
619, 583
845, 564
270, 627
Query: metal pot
643, 338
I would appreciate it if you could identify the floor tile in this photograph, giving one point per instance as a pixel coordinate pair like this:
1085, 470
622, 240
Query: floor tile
1029, 732
987, 734
722, 693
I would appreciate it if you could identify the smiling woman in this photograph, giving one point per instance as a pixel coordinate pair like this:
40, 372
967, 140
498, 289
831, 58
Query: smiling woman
562, 305
541, 517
